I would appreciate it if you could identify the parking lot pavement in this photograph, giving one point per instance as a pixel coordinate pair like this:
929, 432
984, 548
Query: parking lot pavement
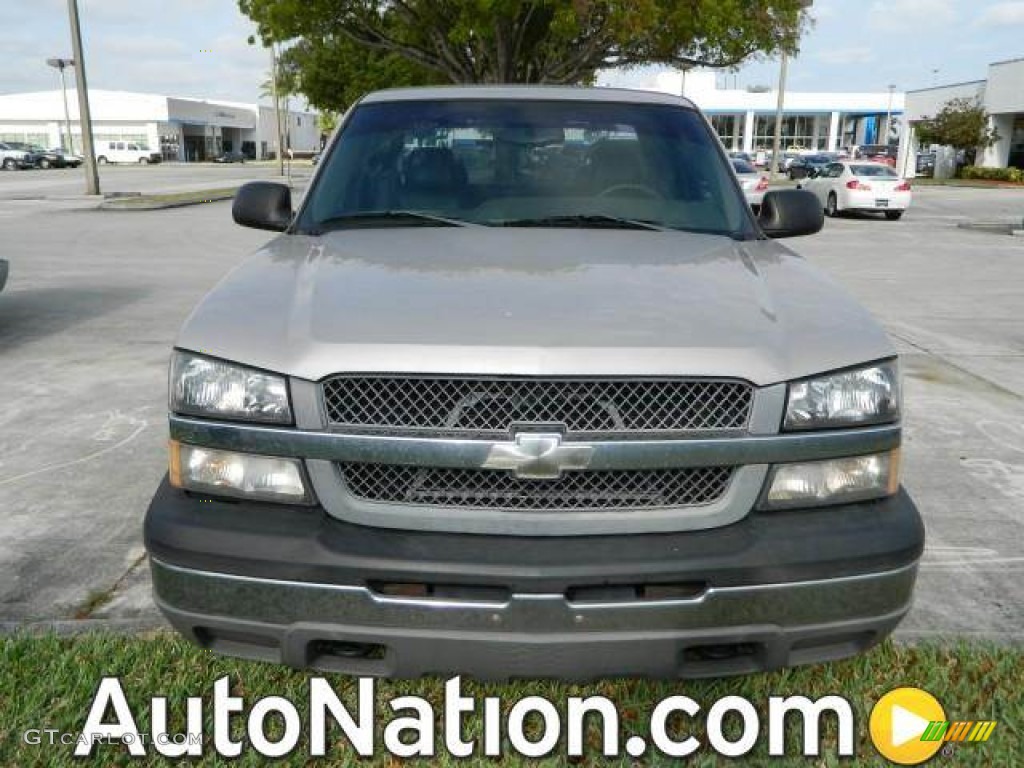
95, 299
69, 183
953, 302
87, 321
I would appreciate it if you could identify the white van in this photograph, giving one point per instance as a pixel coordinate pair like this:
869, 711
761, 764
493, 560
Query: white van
124, 152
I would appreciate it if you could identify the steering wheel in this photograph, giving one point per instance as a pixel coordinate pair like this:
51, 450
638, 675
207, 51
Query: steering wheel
631, 190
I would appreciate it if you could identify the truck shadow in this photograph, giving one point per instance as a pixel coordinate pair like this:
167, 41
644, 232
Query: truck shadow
34, 314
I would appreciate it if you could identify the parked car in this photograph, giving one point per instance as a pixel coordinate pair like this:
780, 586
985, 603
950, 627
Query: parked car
741, 156
566, 414
807, 165
125, 152
855, 185
46, 158
877, 153
69, 159
753, 182
315, 158
13, 156
230, 157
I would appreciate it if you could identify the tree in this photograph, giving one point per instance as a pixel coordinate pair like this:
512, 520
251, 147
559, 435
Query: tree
332, 73
514, 41
961, 124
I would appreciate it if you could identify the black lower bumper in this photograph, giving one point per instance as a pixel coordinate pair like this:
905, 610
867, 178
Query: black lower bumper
294, 585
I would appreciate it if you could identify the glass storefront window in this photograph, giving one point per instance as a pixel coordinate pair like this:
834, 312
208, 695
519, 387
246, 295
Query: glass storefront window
799, 132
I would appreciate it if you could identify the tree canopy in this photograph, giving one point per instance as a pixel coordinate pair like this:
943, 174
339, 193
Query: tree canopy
960, 123
345, 47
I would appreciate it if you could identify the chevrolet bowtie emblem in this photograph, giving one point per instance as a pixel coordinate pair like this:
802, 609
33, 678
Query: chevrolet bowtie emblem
537, 456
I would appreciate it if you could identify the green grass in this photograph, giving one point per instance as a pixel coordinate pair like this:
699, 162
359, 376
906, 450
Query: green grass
168, 200
47, 681
925, 181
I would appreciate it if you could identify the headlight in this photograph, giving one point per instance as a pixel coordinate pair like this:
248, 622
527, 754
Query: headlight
201, 386
836, 481
245, 475
850, 398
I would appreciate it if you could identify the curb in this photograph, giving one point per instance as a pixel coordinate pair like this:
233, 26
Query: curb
994, 227
79, 626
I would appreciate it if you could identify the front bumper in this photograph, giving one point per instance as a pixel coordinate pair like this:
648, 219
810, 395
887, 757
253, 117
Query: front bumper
293, 585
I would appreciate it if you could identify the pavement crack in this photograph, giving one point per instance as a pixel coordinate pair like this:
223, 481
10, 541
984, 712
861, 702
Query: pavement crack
98, 598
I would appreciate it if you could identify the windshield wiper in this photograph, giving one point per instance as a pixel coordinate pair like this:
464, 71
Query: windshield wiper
367, 219
582, 220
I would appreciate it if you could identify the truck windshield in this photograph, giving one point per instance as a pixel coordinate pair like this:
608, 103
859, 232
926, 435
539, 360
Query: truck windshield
517, 162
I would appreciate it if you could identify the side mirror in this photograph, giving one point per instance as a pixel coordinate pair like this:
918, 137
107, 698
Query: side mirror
263, 205
790, 213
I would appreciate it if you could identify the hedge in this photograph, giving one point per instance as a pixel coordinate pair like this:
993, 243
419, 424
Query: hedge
992, 174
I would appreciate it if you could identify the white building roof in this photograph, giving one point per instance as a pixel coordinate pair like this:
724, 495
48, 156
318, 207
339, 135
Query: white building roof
118, 106
700, 86
104, 106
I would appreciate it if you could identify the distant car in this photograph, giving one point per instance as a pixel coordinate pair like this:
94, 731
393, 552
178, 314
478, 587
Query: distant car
230, 157
876, 153
315, 158
807, 165
46, 158
754, 183
741, 156
125, 152
70, 159
854, 185
15, 155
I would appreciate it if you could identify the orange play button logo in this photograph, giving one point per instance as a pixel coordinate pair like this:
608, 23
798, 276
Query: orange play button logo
898, 721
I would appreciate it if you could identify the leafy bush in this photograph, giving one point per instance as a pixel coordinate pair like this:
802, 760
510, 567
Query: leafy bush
993, 174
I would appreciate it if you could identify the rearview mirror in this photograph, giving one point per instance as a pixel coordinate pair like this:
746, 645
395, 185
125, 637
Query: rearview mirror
790, 213
263, 205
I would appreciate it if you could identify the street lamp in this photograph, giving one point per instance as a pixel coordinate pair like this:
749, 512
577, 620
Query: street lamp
63, 64
92, 179
777, 139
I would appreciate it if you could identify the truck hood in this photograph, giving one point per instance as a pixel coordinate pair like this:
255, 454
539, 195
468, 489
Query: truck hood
537, 301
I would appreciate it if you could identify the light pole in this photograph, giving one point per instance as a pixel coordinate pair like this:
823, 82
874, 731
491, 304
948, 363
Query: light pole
777, 139
63, 64
92, 179
888, 116
277, 110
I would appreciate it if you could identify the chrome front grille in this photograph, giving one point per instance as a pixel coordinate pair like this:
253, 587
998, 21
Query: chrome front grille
489, 408
489, 489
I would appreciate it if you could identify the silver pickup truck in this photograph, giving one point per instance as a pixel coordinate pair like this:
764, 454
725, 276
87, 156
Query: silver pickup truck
524, 388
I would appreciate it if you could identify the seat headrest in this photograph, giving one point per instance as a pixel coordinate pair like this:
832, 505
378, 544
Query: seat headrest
434, 169
616, 162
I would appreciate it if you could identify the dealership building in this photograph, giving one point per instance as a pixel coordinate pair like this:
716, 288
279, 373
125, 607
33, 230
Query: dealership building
184, 129
1002, 96
745, 118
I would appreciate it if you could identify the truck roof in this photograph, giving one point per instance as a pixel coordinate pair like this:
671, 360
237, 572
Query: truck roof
526, 92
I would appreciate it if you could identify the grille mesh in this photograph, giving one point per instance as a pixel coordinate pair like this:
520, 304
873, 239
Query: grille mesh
489, 407
494, 489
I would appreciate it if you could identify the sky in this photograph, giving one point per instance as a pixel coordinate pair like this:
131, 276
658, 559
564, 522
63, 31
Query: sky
199, 48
